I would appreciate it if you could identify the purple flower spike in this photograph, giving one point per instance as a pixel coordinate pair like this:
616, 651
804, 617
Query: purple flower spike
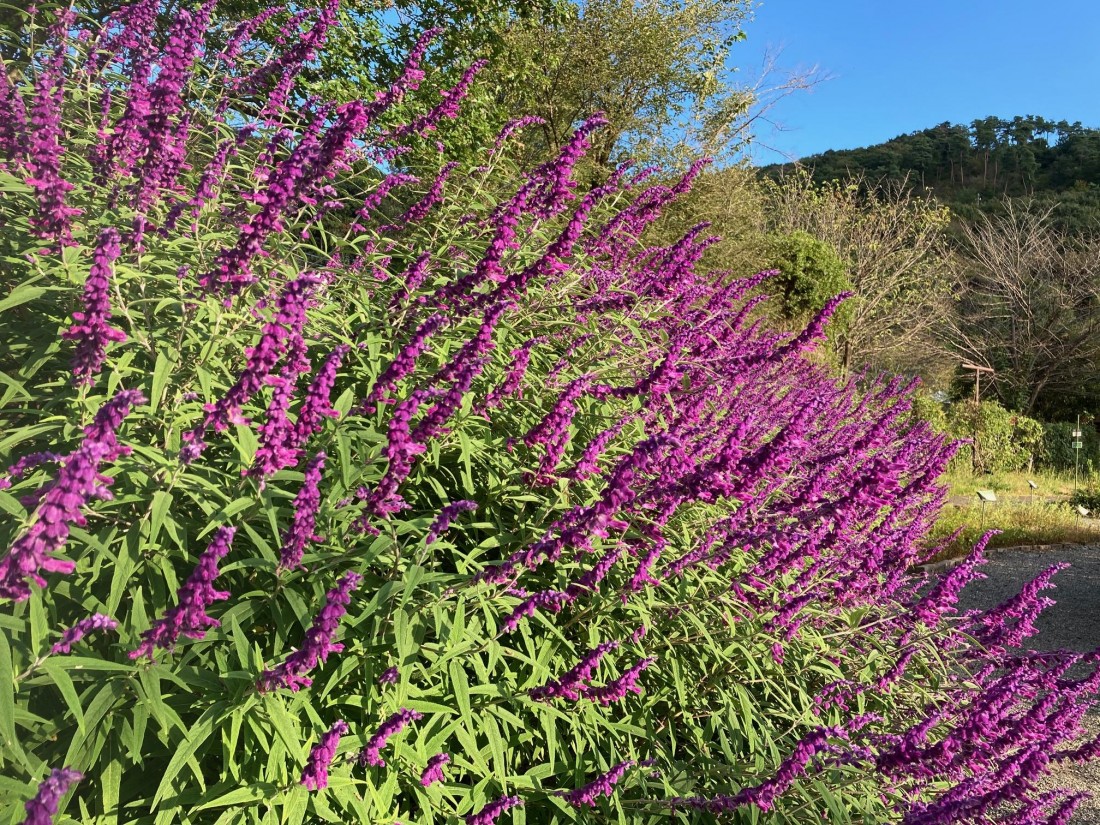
603, 785
317, 644
43, 807
433, 772
188, 617
315, 774
616, 690
446, 516
570, 685
306, 504
388, 677
371, 754
90, 328
97, 621
488, 815
77, 482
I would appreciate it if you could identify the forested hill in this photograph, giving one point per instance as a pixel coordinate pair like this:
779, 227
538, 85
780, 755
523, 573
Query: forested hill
972, 167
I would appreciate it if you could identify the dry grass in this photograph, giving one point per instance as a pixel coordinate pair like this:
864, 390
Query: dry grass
1020, 524
1012, 484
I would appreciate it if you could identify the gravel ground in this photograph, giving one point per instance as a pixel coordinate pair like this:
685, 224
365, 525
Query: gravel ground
1073, 623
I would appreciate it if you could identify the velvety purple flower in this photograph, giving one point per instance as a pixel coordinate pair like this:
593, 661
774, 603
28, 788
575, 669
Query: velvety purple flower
512, 126
521, 358
448, 107
13, 128
78, 481
315, 773
488, 815
372, 753
27, 463
274, 339
389, 676
571, 684
189, 617
317, 644
44, 142
403, 363
443, 520
603, 785
317, 404
419, 210
304, 521
97, 621
552, 600
42, 808
617, 689
433, 771
91, 328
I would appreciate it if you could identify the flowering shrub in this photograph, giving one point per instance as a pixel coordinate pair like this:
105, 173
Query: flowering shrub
327, 505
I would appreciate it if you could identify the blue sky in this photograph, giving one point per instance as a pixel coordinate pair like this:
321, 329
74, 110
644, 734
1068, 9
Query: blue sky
904, 65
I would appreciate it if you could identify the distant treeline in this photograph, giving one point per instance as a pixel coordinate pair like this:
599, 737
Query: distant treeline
972, 168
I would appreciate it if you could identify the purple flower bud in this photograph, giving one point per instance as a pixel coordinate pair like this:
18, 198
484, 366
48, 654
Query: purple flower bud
188, 617
488, 815
315, 773
433, 771
389, 676
443, 520
371, 754
97, 621
603, 785
318, 643
306, 504
91, 328
77, 482
617, 689
43, 807
571, 684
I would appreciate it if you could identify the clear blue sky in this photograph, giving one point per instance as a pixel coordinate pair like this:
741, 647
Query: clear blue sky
903, 65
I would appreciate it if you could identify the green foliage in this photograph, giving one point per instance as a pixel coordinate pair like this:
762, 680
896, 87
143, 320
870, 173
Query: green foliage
999, 440
1057, 451
810, 274
659, 71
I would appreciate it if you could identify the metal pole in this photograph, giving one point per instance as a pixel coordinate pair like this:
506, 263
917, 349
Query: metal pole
1076, 455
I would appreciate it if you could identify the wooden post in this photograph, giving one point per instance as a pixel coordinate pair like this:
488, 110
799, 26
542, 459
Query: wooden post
977, 378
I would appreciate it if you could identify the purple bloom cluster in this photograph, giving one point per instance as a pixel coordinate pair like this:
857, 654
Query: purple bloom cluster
372, 753
44, 141
603, 785
443, 520
42, 808
433, 771
97, 621
389, 676
571, 684
91, 327
489, 814
318, 643
188, 617
262, 359
617, 689
304, 521
78, 481
315, 773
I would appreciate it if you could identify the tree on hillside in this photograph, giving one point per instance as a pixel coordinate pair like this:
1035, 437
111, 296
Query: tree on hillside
893, 244
1030, 309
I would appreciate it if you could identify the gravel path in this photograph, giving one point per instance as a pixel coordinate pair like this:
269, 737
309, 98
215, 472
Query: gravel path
1073, 623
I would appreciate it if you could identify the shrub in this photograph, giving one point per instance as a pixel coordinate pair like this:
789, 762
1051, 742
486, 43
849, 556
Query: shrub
468, 508
1057, 453
999, 440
